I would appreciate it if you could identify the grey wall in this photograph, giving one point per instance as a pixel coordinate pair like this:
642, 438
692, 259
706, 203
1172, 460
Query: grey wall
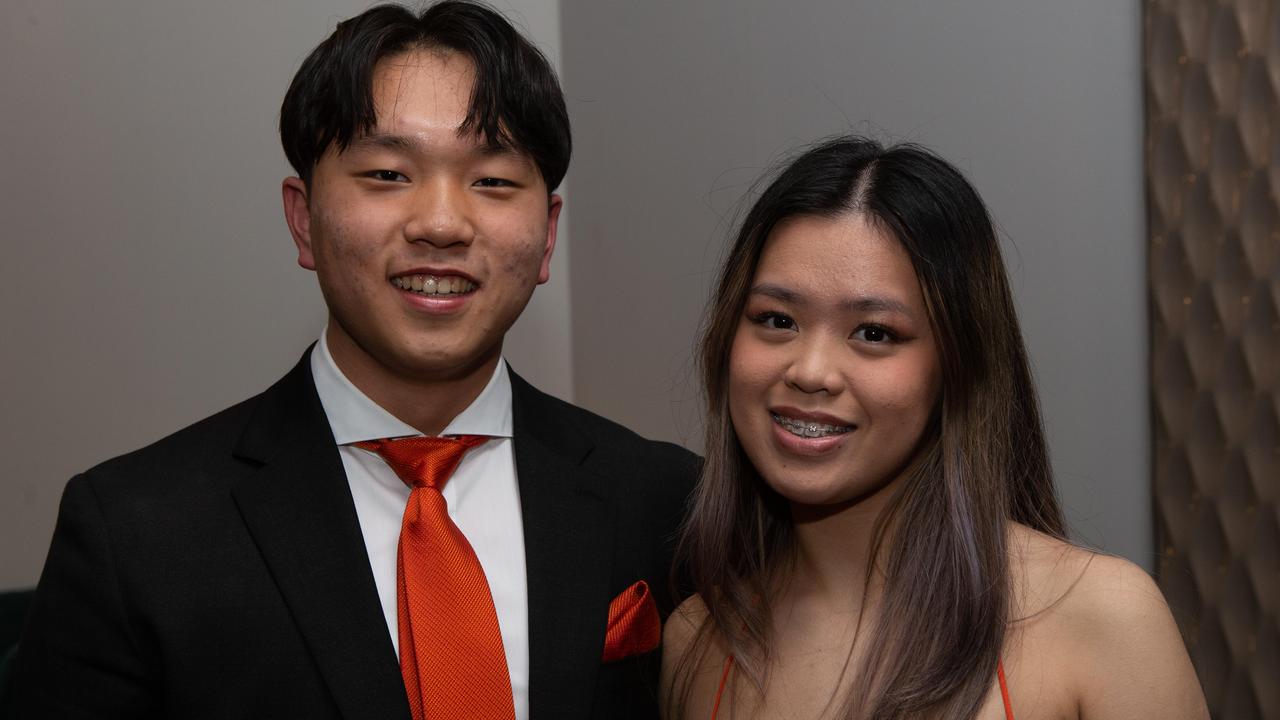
679, 106
148, 278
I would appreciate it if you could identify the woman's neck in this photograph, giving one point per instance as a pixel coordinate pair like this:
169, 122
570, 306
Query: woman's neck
833, 546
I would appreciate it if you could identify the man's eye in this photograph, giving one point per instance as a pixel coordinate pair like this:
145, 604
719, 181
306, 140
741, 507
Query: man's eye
874, 334
493, 182
388, 176
774, 321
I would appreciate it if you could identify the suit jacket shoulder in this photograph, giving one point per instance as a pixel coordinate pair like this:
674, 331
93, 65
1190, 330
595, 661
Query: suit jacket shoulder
252, 430
658, 473
219, 572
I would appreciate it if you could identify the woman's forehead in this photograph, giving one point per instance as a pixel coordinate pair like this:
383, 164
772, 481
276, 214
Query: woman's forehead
848, 254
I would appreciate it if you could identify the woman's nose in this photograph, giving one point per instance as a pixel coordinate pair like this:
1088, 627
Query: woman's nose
813, 368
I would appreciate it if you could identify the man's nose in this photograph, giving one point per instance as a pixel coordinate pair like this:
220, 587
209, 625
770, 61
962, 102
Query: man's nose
440, 214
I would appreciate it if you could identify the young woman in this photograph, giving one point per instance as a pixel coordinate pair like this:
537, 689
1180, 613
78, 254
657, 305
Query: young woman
875, 534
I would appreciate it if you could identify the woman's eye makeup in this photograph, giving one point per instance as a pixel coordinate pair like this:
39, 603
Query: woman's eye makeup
773, 320
876, 334
869, 333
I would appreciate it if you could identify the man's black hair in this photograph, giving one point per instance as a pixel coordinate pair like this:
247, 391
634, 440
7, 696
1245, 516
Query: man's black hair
516, 102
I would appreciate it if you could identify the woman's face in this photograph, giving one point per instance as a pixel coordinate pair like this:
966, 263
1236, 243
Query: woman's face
833, 373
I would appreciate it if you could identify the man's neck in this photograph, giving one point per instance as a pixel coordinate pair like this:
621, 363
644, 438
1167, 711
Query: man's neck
428, 404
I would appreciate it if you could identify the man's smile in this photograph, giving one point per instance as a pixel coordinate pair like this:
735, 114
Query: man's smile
434, 285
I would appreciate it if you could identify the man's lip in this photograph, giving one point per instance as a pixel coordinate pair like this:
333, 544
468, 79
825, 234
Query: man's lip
816, 416
435, 272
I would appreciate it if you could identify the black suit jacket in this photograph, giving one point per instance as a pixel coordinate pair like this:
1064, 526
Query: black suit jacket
221, 573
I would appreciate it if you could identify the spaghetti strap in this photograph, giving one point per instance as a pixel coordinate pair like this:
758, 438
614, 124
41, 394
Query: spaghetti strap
1004, 691
1004, 688
724, 677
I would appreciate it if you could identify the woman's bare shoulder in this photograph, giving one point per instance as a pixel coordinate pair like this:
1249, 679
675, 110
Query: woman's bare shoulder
1081, 588
1105, 621
683, 625
690, 649
1042, 569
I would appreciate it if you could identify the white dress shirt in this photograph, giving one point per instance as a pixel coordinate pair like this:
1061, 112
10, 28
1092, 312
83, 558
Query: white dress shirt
482, 494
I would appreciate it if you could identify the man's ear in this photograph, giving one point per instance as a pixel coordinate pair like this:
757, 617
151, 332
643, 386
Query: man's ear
553, 218
297, 213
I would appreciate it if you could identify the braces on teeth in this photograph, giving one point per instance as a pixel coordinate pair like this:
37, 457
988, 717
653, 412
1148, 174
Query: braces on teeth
809, 430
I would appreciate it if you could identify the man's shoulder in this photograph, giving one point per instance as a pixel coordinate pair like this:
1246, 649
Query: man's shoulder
211, 444
608, 437
192, 452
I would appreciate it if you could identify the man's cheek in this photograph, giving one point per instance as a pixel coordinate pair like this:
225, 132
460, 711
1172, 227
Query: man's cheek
345, 245
525, 261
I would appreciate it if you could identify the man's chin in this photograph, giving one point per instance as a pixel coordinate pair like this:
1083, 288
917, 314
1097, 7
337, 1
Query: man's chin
436, 365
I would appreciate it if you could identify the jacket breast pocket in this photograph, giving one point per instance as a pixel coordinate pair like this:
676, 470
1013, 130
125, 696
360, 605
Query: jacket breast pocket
628, 688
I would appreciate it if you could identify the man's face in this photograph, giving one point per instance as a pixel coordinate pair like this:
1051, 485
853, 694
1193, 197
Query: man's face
427, 243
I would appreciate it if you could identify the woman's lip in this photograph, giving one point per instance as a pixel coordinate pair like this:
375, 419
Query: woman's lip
809, 415
797, 445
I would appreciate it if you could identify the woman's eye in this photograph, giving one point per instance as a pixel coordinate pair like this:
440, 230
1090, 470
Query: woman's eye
774, 321
388, 176
873, 334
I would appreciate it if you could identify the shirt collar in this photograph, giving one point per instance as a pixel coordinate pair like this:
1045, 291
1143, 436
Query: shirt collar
354, 417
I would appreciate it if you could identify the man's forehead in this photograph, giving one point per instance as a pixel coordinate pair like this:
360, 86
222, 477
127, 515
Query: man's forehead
377, 139
422, 103
436, 67
422, 91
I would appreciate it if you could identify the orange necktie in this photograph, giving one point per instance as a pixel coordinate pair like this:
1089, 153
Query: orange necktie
451, 652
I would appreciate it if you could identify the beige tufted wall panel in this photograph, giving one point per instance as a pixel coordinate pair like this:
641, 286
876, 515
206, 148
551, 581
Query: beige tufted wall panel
1213, 192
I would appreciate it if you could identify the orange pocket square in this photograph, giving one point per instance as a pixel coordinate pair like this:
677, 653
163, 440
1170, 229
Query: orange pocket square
634, 625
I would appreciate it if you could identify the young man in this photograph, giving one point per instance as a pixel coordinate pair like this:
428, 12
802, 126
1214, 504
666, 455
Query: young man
289, 557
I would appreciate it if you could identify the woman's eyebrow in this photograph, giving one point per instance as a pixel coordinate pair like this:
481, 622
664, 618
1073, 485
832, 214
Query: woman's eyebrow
875, 303
777, 292
862, 303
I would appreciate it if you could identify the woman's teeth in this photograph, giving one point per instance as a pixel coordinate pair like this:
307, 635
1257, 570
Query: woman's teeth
808, 429
431, 285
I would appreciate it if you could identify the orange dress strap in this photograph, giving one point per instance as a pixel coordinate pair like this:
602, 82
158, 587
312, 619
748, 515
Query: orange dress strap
724, 678
1004, 688
1004, 691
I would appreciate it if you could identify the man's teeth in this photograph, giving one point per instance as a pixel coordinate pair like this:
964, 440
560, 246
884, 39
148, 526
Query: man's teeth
432, 285
808, 429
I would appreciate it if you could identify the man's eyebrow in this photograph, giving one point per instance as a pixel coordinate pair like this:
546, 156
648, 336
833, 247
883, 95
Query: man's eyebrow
865, 303
499, 150
407, 143
384, 141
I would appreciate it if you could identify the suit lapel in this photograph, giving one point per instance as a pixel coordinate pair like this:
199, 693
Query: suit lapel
568, 535
298, 507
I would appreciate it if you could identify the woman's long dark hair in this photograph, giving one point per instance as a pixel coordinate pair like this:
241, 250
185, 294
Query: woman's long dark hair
936, 637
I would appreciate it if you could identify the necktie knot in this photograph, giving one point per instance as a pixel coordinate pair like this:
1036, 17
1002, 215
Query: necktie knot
451, 654
423, 461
